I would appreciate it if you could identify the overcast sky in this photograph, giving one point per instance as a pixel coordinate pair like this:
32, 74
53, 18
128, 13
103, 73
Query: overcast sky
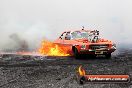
36, 19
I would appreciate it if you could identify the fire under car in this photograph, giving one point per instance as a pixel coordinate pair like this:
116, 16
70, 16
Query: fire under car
88, 42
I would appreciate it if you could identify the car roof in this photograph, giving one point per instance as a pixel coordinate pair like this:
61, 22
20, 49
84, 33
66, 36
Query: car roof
79, 31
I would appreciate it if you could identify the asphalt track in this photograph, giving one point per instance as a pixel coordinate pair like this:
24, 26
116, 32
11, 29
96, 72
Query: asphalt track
27, 71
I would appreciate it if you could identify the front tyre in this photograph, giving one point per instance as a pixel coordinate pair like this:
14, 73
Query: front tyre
108, 55
76, 54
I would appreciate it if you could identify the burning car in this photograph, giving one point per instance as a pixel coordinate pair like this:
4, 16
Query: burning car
85, 42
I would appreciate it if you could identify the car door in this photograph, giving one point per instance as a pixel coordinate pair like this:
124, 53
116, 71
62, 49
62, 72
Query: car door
63, 38
67, 41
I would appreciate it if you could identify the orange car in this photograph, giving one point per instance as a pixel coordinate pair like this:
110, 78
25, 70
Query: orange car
86, 42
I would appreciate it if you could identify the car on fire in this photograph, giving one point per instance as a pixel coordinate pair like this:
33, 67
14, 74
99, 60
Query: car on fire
86, 42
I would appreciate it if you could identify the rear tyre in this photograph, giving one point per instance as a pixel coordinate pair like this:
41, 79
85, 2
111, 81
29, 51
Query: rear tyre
108, 55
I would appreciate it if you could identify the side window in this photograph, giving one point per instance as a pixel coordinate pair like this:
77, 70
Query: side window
63, 35
68, 36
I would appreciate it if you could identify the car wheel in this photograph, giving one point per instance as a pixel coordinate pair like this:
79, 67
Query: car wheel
94, 56
76, 54
108, 55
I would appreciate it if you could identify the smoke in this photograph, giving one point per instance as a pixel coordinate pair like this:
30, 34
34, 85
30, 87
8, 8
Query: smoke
19, 37
21, 45
34, 20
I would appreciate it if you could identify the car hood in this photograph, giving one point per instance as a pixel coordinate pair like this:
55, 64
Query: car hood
82, 40
101, 41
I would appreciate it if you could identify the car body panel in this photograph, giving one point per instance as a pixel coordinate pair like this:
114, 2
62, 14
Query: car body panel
101, 46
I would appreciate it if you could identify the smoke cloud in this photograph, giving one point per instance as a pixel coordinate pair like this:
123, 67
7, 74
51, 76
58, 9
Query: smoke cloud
31, 21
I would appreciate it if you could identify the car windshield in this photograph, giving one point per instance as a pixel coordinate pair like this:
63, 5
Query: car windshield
78, 35
89, 36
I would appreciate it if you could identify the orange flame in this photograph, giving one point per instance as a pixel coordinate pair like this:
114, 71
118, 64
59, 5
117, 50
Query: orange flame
51, 49
81, 71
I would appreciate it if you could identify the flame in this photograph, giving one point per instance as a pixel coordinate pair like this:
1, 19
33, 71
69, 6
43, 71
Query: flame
51, 49
81, 71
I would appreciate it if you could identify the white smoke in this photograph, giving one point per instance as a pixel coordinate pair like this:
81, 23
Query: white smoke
34, 20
